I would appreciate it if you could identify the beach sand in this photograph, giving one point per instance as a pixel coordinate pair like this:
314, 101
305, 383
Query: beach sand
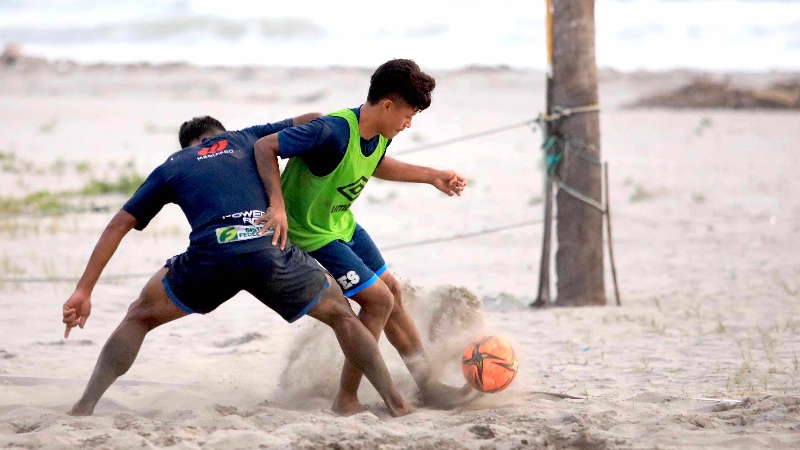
704, 351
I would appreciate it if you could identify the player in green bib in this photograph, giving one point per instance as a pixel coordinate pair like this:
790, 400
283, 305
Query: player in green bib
331, 160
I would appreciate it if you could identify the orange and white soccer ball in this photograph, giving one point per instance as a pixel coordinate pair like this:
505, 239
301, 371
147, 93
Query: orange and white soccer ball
489, 364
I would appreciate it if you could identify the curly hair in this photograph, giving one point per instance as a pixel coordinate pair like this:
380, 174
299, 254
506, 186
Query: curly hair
401, 78
198, 126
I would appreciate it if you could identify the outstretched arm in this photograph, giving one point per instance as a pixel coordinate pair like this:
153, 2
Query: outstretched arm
266, 154
305, 118
79, 305
446, 181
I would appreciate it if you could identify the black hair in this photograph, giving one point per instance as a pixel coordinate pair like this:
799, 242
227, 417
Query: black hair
198, 126
401, 78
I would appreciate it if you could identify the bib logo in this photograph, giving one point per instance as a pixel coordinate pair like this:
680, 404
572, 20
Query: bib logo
215, 150
352, 190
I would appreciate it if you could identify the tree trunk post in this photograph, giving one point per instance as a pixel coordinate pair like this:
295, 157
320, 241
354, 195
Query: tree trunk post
579, 225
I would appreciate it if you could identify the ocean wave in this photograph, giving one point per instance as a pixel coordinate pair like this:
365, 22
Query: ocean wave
164, 29
666, 34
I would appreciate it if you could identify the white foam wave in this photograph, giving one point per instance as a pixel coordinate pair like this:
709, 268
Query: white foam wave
630, 34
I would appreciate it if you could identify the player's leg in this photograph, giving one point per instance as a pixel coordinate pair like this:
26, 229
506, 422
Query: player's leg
404, 336
376, 303
151, 309
402, 332
400, 329
361, 284
184, 285
359, 346
294, 284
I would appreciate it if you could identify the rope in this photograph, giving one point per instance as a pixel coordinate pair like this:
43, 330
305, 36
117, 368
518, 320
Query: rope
528, 122
562, 111
461, 236
584, 198
58, 212
386, 249
580, 150
556, 147
73, 280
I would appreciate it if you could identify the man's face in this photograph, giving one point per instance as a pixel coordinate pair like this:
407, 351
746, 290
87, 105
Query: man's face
397, 117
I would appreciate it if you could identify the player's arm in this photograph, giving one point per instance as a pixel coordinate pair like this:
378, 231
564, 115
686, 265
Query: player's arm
267, 151
447, 181
305, 118
271, 128
289, 143
78, 307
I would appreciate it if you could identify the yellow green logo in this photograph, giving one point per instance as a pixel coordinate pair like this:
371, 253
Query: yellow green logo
228, 234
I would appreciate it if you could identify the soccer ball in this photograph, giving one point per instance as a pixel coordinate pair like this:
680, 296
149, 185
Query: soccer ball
489, 364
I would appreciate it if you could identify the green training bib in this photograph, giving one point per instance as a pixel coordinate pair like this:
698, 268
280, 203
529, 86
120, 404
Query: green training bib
318, 208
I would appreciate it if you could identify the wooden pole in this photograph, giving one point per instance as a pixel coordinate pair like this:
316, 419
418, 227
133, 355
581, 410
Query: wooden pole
579, 225
608, 236
543, 295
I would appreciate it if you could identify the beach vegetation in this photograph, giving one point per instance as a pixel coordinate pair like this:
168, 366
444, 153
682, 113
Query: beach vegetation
704, 123
39, 201
49, 202
126, 183
783, 284
48, 126
640, 194
58, 166
83, 167
659, 329
645, 365
657, 301
698, 197
9, 267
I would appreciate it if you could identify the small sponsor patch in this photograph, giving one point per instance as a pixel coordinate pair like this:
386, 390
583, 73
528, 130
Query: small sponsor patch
239, 233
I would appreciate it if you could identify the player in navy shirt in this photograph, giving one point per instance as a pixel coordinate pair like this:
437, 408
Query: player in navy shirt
214, 180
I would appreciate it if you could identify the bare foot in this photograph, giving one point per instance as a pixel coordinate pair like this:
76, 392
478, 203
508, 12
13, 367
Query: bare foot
78, 410
347, 407
399, 407
442, 396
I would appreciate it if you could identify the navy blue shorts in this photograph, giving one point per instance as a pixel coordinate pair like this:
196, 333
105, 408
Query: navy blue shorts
288, 281
356, 265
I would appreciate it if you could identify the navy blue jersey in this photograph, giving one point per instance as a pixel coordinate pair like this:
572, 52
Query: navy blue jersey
217, 186
322, 143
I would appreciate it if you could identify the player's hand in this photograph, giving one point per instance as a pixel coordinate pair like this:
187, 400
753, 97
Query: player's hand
76, 310
275, 219
450, 182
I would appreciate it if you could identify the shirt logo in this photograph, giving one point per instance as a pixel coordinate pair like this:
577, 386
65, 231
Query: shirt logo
239, 233
246, 216
352, 190
215, 150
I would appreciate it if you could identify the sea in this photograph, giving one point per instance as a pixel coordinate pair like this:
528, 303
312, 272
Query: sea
712, 35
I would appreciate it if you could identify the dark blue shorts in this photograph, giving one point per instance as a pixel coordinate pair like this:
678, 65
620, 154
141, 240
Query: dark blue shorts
356, 265
288, 281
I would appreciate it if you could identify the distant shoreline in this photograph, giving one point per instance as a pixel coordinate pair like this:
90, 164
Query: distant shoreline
13, 57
